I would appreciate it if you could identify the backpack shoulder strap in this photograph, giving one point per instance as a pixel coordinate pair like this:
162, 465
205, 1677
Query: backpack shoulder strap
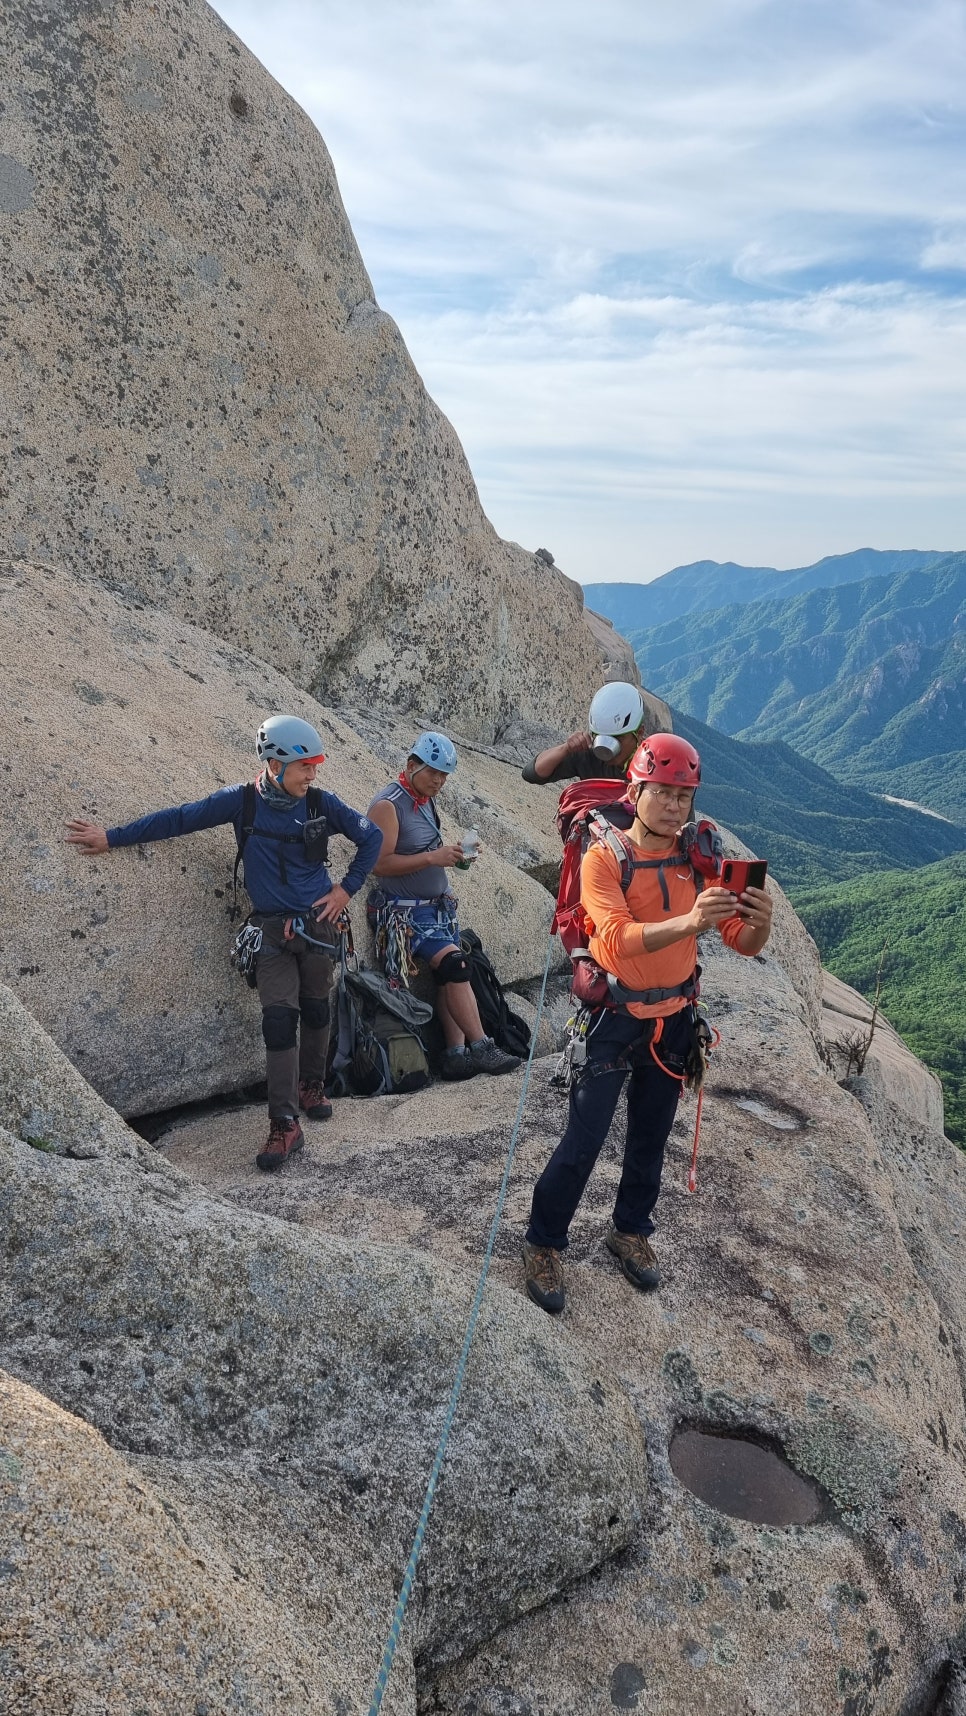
616, 842
313, 802
249, 801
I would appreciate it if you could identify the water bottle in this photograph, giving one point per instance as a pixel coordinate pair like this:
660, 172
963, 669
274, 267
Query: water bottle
470, 846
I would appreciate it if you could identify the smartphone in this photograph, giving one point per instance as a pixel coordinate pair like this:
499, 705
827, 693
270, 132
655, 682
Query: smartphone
741, 873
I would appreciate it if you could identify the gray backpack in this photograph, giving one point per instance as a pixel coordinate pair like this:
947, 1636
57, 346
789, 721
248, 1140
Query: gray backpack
378, 1048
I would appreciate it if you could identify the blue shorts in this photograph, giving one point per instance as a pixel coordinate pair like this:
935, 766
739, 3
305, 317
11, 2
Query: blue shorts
434, 927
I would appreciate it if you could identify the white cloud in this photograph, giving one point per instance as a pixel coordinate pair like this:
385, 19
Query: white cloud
678, 275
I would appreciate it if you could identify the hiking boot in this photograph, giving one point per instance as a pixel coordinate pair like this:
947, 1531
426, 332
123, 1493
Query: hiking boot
285, 1139
543, 1273
457, 1063
487, 1058
313, 1099
635, 1257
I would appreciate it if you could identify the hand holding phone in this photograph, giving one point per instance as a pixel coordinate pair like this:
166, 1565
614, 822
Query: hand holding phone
737, 874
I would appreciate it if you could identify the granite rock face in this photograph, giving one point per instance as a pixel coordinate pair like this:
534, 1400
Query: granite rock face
847, 1023
210, 1340
812, 1303
125, 1590
208, 408
228, 494
124, 959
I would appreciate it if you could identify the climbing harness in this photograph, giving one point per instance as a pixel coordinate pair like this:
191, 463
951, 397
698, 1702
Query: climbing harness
247, 944
399, 1614
392, 924
308, 924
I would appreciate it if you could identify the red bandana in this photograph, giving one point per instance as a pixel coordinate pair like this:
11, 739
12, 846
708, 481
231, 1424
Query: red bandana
417, 798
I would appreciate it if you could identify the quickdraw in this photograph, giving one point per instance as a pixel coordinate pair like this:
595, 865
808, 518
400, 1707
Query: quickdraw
573, 1060
245, 950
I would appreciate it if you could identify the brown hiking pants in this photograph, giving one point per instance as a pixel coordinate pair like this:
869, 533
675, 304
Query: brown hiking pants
294, 980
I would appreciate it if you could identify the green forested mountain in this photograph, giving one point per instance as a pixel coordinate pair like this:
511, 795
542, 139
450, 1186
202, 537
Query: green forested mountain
868, 679
811, 828
714, 584
918, 917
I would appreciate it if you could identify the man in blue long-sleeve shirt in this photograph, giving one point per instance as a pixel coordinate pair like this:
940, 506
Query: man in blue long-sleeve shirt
295, 906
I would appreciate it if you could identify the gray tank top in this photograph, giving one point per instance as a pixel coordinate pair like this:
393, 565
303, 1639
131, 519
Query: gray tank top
417, 833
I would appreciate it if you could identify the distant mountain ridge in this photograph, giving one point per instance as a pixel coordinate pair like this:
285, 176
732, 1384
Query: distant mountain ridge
811, 828
868, 679
715, 584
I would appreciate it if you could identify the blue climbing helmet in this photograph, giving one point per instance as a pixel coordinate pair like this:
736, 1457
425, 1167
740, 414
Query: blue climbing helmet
286, 739
435, 750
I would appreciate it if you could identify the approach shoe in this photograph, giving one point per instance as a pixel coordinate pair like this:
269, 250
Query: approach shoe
543, 1273
313, 1099
457, 1063
487, 1058
285, 1139
635, 1257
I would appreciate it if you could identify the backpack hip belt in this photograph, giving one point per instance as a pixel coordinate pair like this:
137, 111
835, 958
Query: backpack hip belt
652, 997
593, 986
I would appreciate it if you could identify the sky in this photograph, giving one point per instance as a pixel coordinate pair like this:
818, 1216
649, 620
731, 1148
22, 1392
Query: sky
688, 280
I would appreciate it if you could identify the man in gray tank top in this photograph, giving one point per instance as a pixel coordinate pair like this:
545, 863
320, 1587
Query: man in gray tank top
414, 911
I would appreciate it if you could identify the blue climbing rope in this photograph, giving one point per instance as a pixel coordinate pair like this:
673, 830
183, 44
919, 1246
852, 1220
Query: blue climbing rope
405, 1590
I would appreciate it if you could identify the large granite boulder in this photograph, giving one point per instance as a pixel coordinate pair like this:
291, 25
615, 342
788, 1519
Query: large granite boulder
227, 1345
132, 1584
855, 1039
207, 406
119, 709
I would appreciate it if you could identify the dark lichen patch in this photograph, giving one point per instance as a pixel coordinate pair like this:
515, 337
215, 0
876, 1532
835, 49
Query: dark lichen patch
626, 1683
746, 1477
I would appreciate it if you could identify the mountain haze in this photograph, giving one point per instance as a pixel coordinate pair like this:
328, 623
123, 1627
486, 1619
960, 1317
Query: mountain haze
868, 679
713, 584
811, 828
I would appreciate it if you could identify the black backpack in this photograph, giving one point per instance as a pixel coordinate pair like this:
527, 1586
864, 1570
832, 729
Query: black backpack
508, 1030
377, 1047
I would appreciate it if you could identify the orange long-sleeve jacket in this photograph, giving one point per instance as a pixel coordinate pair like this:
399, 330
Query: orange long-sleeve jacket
615, 920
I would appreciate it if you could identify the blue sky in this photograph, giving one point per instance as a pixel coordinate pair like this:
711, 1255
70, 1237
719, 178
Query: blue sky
689, 281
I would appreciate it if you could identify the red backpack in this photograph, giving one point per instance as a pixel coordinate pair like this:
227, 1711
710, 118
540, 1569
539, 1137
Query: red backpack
600, 810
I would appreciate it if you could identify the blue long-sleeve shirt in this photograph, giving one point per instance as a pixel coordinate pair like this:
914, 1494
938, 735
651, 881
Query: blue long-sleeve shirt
279, 874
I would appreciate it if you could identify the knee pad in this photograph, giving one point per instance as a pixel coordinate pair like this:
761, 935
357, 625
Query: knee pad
453, 968
315, 1012
280, 1027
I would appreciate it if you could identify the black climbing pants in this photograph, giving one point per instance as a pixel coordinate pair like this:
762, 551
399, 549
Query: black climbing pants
617, 1045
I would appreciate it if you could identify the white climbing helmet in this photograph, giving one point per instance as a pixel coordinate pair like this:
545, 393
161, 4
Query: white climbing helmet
616, 709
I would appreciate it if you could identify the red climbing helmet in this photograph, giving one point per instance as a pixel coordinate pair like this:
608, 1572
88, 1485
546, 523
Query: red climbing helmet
666, 758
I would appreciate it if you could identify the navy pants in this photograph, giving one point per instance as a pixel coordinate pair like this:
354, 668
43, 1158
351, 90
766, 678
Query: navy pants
617, 1045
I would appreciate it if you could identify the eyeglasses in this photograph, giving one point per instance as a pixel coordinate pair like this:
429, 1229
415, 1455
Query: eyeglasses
670, 795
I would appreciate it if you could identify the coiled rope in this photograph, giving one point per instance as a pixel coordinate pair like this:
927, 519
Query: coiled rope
405, 1591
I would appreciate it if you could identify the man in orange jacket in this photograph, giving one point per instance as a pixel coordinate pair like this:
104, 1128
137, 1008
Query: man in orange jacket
647, 938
